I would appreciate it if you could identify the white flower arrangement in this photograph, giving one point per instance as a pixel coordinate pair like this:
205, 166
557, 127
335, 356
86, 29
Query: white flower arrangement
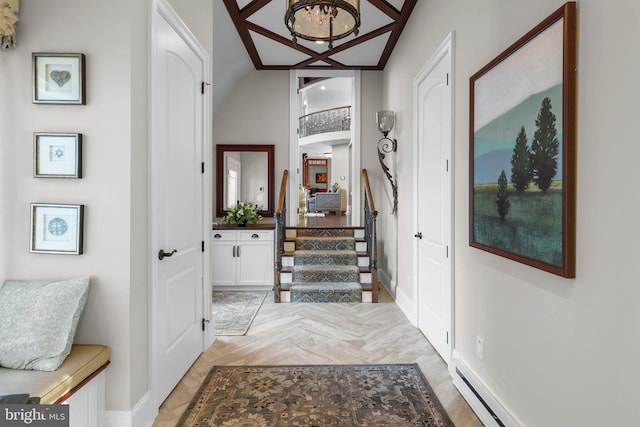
242, 213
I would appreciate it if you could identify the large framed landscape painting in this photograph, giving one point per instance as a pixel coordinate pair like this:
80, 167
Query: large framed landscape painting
523, 148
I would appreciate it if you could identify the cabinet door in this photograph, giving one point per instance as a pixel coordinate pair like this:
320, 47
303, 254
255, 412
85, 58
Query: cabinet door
223, 261
255, 258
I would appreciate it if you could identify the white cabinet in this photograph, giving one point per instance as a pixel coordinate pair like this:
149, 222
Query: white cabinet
242, 258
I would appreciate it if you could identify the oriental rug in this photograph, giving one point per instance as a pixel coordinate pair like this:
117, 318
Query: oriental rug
233, 312
395, 395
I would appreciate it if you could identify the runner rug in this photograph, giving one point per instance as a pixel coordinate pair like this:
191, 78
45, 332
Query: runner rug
315, 395
233, 312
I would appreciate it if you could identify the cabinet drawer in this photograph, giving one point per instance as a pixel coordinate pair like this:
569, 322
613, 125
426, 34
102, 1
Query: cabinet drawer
255, 235
223, 236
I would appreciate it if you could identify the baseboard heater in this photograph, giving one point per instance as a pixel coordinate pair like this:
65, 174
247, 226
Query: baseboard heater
479, 397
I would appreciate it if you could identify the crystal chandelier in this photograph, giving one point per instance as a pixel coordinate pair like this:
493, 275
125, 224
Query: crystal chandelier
322, 20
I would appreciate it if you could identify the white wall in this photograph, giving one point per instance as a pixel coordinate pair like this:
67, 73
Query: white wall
257, 112
340, 166
114, 187
372, 102
337, 92
558, 352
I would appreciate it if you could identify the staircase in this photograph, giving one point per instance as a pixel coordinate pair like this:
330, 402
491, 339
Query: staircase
326, 264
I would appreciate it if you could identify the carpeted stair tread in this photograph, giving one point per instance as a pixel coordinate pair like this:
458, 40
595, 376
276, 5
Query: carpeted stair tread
326, 273
325, 243
325, 257
324, 232
326, 292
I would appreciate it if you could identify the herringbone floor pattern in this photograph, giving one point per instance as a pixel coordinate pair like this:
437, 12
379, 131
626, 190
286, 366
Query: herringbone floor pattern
328, 333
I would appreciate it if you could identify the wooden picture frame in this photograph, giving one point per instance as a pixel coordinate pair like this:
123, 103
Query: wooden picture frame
522, 189
57, 228
267, 151
59, 78
57, 155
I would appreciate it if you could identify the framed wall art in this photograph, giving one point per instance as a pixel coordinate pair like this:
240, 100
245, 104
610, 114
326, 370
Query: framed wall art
57, 229
58, 78
522, 135
57, 155
321, 178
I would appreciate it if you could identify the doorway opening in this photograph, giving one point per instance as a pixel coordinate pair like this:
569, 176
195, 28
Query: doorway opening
324, 141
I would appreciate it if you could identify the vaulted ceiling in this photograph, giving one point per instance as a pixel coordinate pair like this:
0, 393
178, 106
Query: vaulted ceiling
261, 27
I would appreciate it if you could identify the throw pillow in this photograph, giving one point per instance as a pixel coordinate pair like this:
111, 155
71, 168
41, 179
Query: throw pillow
38, 322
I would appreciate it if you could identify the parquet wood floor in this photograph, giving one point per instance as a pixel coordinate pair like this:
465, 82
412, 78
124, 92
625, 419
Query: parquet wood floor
328, 333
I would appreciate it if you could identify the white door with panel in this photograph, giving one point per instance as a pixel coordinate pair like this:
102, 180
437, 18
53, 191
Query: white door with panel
177, 205
433, 171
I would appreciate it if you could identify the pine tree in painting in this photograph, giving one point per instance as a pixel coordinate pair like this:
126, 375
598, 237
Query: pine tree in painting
520, 170
545, 147
502, 198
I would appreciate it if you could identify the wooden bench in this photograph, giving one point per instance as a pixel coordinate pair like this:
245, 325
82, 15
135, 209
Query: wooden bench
78, 382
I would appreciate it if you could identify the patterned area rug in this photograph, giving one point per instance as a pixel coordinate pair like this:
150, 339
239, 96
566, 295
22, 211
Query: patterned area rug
233, 312
322, 395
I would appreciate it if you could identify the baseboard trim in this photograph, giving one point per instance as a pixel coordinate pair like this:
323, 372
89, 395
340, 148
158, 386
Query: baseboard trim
385, 279
407, 305
142, 415
484, 403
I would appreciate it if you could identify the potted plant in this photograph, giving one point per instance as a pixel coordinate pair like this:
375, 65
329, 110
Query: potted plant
241, 213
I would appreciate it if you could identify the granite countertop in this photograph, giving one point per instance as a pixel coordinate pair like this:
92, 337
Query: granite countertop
265, 224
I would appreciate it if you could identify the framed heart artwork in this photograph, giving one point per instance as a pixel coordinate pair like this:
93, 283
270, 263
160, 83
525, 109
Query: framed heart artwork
58, 78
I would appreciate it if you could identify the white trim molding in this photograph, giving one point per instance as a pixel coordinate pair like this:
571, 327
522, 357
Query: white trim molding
483, 401
141, 415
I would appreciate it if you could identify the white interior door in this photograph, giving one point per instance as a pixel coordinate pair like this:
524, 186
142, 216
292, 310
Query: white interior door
433, 97
177, 207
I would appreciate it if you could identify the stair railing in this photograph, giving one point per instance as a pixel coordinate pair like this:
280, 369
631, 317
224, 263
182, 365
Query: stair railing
370, 215
281, 233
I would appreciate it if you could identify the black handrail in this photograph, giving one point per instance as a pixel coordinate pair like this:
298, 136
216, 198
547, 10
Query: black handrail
281, 233
370, 215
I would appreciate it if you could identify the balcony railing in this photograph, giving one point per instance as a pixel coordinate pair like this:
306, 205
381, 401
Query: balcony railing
333, 120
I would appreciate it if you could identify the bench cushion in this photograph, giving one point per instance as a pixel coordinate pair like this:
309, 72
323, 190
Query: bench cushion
54, 387
39, 321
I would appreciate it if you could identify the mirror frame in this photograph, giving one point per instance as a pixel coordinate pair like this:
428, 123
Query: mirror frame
261, 148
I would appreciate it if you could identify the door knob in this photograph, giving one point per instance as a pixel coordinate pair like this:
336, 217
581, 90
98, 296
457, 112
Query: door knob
418, 235
162, 254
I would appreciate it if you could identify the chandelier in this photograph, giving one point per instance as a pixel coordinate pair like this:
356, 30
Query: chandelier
322, 20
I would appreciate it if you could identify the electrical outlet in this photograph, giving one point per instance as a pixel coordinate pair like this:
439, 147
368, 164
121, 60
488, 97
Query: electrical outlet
480, 347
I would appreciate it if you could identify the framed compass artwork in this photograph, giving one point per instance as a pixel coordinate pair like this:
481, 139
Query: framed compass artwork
56, 229
58, 78
57, 155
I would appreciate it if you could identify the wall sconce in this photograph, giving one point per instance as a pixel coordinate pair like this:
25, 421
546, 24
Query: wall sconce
386, 145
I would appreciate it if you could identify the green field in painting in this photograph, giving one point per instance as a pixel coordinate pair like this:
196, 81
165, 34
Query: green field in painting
532, 228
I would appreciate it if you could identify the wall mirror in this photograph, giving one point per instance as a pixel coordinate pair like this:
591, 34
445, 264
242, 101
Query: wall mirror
244, 172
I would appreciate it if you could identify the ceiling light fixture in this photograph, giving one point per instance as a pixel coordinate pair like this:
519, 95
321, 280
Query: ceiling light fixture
322, 20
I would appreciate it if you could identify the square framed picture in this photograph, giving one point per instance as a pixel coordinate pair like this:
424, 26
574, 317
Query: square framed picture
57, 155
321, 178
56, 229
58, 78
